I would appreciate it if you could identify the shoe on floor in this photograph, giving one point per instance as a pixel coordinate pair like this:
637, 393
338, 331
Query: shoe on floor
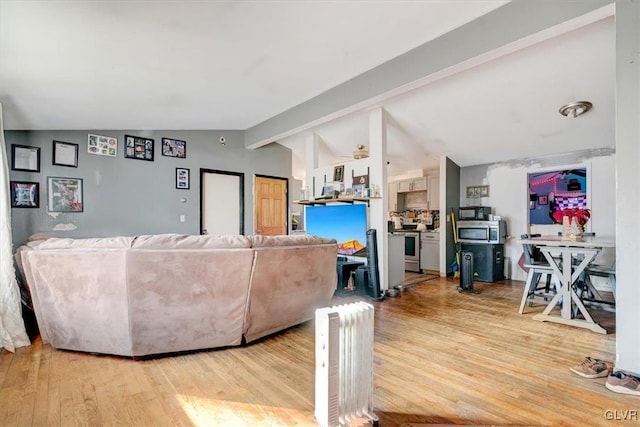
593, 368
622, 382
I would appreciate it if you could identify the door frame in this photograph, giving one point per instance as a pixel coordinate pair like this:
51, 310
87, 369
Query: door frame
279, 178
221, 172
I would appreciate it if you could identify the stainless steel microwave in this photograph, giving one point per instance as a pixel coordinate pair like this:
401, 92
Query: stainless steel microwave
487, 232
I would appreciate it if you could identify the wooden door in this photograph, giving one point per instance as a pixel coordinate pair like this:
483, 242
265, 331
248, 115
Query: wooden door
270, 206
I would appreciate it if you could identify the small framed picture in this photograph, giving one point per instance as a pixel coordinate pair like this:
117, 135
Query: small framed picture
65, 154
543, 200
25, 194
358, 190
174, 148
477, 191
64, 194
139, 148
361, 180
102, 145
338, 173
25, 158
182, 178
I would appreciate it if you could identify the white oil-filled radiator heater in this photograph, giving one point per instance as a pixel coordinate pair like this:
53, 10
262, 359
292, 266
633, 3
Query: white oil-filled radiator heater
344, 364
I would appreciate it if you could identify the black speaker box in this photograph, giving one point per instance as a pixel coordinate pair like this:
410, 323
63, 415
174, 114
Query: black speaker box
488, 261
373, 286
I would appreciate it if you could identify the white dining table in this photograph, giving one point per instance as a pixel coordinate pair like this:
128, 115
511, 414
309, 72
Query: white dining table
566, 271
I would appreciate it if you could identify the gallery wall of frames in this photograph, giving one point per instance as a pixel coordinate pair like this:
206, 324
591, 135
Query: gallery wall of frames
108, 183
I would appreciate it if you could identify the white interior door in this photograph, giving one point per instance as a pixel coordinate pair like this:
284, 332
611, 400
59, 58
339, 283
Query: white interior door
222, 203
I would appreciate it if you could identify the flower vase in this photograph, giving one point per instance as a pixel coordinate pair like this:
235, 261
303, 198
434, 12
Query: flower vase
579, 229
567, 232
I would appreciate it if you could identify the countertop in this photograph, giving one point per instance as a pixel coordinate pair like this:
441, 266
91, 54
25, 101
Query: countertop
402, 231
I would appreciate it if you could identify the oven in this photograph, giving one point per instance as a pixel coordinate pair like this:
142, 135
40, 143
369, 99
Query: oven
412, 251
488, 232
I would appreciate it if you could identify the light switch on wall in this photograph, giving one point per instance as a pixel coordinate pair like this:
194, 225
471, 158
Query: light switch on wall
182, 218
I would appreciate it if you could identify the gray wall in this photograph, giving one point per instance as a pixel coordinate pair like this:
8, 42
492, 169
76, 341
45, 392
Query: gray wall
470, 176
130, 197
452, 201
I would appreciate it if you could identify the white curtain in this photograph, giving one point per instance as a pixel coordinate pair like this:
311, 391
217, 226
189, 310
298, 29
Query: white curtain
12, 332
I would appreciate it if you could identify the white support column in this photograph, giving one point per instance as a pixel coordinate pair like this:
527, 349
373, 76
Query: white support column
311, 153
378, 177
627, 178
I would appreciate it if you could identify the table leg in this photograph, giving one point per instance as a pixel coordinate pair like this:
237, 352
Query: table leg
566, 293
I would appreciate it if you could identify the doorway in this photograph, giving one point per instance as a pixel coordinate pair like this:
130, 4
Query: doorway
221, 202
270, 201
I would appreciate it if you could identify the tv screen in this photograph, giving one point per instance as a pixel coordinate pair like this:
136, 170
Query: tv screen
345, 223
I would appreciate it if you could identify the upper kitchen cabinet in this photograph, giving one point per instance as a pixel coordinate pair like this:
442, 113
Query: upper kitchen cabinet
414, 184
433, 193
393, 197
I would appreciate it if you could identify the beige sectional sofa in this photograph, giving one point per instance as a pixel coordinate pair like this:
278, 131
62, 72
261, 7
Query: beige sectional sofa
137, 296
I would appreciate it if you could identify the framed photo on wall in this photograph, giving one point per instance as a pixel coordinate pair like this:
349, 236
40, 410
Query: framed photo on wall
477, 191
174, 148
65, 154
182, 178
338, 173
25, 194
102, 145
64, 194
136, 147
361, 180
543, 200
25, 158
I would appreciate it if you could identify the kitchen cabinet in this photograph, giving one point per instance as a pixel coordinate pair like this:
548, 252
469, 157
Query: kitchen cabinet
430, 251
414, 184
393, 197
433, 193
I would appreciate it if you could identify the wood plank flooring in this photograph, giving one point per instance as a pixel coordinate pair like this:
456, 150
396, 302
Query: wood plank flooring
441, 357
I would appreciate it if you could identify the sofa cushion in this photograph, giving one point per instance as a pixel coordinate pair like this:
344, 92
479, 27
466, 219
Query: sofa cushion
93, 243
183, 241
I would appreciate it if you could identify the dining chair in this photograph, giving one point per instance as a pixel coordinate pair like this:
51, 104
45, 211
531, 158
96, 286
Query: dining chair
536, 266
589, 292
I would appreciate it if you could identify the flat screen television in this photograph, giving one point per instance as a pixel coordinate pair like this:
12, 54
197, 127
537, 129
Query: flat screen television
345, 223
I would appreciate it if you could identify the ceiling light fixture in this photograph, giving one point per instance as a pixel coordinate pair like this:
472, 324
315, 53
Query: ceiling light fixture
361, 152
575, 109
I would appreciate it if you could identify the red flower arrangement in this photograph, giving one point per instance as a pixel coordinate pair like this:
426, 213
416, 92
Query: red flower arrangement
579, 215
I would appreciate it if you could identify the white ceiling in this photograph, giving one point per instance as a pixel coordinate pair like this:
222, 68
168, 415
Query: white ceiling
501, 110
233, 64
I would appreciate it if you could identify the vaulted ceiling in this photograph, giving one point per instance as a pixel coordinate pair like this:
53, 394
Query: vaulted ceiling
233, 64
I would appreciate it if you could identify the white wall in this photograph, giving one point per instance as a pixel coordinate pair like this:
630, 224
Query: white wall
628, 177
509, 196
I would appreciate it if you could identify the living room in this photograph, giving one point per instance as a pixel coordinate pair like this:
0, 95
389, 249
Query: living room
127, 196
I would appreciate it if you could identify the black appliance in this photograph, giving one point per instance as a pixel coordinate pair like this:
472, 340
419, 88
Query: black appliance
372, 289
474, 212
466, 270
368, 278
488, 261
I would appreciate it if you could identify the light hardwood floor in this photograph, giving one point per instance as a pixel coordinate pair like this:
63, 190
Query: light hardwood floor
441, 357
